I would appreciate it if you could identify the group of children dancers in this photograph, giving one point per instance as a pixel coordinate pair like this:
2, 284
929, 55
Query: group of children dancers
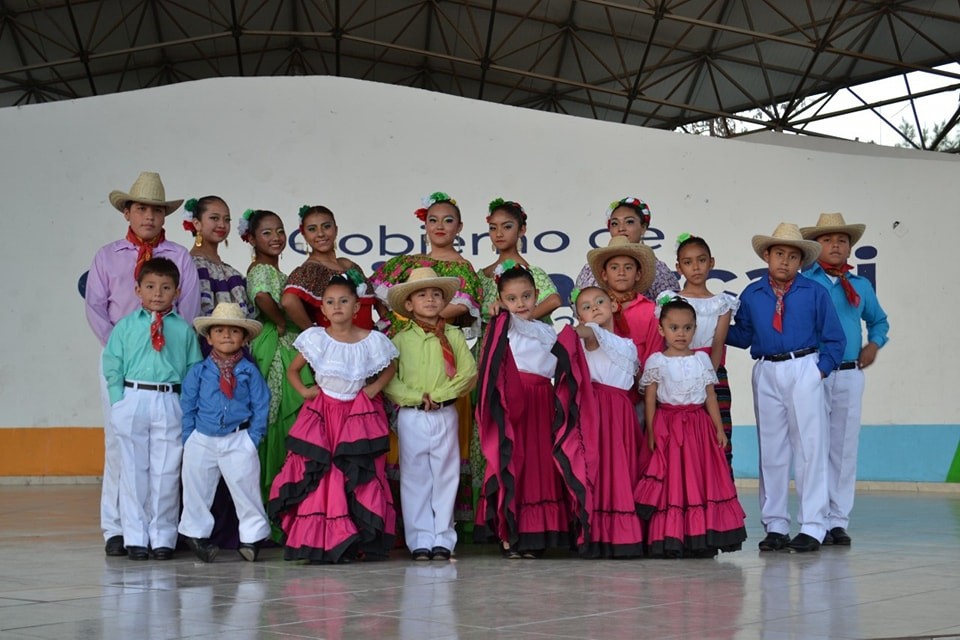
610, 437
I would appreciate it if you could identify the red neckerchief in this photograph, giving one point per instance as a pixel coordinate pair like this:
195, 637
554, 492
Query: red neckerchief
780, 292
144, 248
841, 272
228, 381
619, 322
449, 361
156, 330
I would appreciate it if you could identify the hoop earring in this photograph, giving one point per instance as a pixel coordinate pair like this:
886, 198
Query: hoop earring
226, 242
198, 242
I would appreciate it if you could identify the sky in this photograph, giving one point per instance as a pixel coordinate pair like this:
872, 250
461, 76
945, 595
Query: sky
867, 127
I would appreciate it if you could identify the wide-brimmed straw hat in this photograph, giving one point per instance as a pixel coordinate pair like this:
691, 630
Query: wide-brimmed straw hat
227, 314
833, 223
421, 278
148, 189
789, 235
620, 246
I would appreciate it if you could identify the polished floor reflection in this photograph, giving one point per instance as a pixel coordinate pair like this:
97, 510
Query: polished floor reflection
901, 578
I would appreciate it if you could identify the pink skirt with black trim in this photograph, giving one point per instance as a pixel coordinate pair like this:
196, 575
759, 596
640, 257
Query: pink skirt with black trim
685, 490
331, 497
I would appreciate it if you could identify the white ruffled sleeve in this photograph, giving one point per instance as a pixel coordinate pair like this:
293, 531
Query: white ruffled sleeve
621, 351
709, 376
651, 372
727, 302
537, 331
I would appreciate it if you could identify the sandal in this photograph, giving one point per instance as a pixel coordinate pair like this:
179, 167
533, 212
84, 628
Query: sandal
509, 553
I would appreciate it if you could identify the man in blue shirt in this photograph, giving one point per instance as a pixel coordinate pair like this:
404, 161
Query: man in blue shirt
794, 334
856, 303
225, 405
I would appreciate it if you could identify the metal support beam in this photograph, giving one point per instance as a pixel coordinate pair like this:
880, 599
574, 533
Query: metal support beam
485, 61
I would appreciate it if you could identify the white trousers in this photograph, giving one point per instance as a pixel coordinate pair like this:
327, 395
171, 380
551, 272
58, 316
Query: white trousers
147, 426
843, 393
205, 459
429, 476
791, 423
110, 488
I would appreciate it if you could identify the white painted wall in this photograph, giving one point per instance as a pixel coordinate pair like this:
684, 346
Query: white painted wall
369, 151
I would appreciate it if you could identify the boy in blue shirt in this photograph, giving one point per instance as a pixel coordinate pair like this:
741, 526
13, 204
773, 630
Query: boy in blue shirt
794, 334
148, 353
856, 304
225, 405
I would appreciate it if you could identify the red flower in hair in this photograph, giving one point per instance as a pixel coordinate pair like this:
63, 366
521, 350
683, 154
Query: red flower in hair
421, 214
188, 226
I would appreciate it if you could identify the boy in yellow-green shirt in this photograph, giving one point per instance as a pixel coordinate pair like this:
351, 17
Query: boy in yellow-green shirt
435, 368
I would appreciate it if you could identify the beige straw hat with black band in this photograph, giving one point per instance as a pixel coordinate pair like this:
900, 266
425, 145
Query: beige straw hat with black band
833, 223
148, 189
421, 278
227, 314
620, 246
789, 235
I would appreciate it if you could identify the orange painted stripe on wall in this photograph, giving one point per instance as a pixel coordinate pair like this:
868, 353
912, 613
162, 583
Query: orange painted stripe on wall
51, 451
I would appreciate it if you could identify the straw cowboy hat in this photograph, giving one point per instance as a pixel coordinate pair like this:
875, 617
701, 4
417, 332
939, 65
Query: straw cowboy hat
421, 278
789, 235
148, 189
620, 246
227, 314
833, 223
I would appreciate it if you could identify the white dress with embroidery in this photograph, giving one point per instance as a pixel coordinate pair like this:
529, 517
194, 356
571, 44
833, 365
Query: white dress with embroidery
681, 380
341, 369
615, 363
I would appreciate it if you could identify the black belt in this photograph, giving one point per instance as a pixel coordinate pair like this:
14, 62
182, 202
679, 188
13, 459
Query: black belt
790, 355
162, 387
445, 403
850, 364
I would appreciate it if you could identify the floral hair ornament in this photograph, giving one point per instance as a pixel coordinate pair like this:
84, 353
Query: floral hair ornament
429, 201
683, 237
574, 294
665, 298
303, 211
636, 204
505, 266
188, 208
243, 226
354, 276
500, 203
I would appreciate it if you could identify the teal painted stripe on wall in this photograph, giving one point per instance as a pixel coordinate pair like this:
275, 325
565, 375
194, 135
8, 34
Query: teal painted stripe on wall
890, 453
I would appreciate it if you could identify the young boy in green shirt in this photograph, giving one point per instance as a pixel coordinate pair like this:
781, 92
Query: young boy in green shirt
435, 368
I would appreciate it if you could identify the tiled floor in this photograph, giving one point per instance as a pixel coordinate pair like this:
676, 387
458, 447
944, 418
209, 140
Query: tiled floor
900, 579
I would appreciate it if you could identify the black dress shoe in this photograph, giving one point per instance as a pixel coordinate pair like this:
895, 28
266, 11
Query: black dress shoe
163, 553
249, 551
203, 548
420, 554
804, 543
138, 553
840, 537
114, 546
440, 553
827, 539
774, 542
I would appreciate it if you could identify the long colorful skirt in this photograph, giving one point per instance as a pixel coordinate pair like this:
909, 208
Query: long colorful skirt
529, 505
331, 498
616, 530
273, 353
722, 387
686, 490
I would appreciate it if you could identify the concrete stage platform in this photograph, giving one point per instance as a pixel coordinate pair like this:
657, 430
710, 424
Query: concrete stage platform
900, 579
